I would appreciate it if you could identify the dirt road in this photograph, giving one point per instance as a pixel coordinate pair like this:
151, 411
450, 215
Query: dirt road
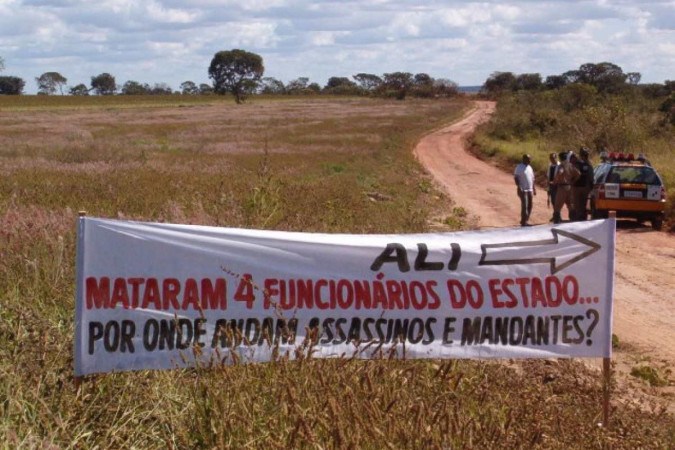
644, 312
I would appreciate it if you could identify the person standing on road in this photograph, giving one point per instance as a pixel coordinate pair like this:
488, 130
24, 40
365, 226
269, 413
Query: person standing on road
582, 187
565, 176
552, 167
524, 178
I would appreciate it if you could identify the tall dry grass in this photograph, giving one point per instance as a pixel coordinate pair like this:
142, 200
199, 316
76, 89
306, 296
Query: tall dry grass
319, 165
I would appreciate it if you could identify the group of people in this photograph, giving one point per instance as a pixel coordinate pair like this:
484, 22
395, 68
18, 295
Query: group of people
570, 180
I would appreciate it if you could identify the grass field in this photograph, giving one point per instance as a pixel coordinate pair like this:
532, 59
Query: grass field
324, 165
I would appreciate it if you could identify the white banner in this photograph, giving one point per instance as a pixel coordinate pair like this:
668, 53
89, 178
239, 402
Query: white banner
154, 295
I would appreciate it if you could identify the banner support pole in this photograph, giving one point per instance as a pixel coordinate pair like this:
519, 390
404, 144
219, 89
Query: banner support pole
77, 379
607, 373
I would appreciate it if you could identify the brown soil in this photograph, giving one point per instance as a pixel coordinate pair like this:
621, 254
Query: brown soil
644, 297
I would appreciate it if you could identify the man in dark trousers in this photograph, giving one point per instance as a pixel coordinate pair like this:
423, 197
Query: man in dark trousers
552, 167
524, 178
582, 186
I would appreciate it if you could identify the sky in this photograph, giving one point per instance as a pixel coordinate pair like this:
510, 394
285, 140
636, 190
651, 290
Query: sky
172, 41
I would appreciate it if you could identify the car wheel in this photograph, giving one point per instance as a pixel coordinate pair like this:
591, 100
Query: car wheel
657, 223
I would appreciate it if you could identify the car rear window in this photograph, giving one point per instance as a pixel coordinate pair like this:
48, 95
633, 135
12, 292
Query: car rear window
633, 174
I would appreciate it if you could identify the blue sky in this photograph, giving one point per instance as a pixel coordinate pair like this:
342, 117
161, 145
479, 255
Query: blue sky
172, 41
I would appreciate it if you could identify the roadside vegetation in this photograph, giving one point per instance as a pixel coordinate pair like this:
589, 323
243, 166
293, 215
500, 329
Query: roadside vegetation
317, 165
597, 106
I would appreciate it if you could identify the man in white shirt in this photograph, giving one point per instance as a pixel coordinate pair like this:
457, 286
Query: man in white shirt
524, 177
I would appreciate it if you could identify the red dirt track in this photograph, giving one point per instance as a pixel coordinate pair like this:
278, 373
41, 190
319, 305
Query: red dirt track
644, 301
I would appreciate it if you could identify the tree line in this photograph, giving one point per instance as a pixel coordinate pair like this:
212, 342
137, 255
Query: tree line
578, 87
240, 73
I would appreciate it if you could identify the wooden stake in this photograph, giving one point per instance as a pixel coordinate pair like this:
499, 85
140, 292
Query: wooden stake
77, 381
607, 375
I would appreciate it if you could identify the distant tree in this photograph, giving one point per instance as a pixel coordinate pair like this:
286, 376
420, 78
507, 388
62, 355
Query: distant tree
634, 78
205, 89
340, 86
498, 83
396, 84
49, 82
298, 86
270, 85
11, 85
132, 87
161, 89
334, 82
528, 82
189, 88
555, 81
80, 89
423, 79
572, 76
445, 88
422, 86
313, 88
2, 64
605, 76
237, 72
367, 81
104, 84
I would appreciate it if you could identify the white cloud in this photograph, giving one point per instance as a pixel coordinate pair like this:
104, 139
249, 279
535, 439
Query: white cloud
170, 15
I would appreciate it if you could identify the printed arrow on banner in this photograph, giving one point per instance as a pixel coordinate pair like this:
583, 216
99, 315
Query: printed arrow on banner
560, 252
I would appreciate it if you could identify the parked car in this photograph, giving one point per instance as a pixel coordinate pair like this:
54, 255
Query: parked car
629, 186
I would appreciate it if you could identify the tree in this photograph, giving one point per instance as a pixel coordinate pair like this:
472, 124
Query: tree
340, 86
572, 76
49, 82
498, 83
237, 72
132, 87
161, 89
104, 84
423, 85
270, 85
555, 81
367, 81
2, 64
445, 88
605, 76
11, 85
80, 89
634, 78
297, 86
313, 88
205, 89
189, 88
397, 84
528, 82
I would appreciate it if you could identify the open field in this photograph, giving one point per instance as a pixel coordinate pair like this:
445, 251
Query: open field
328, 165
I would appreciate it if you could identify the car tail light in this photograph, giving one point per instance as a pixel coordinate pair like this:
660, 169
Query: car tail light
663, 193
